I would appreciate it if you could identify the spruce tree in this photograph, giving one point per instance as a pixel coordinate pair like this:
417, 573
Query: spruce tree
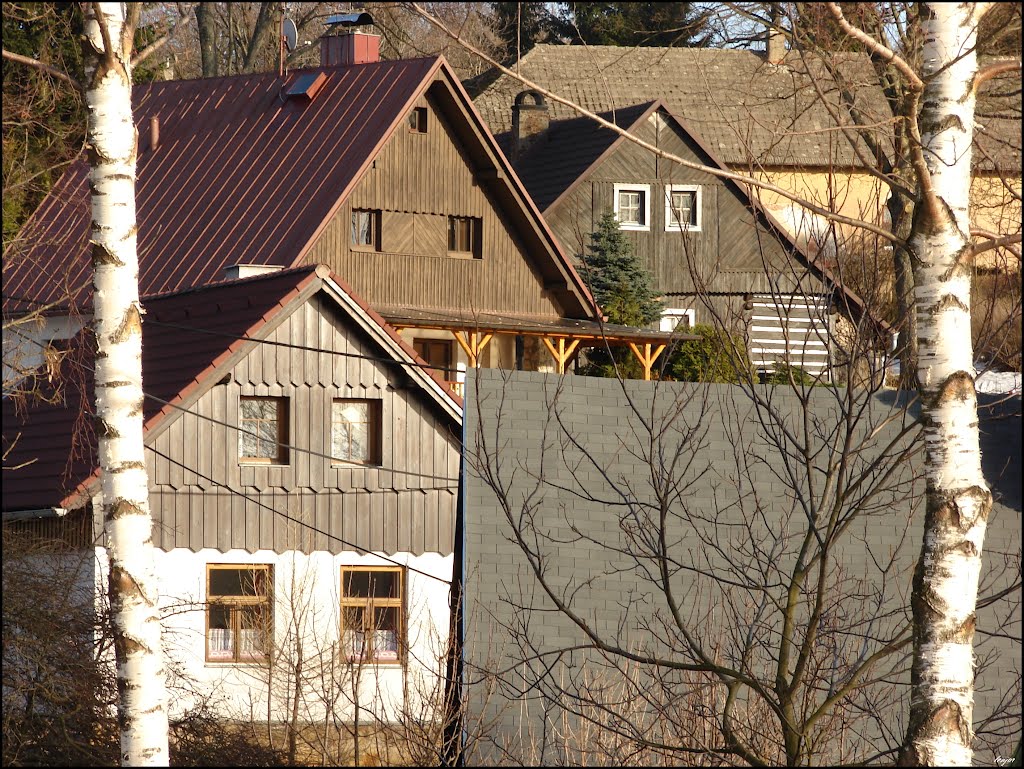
621, 285
619, 282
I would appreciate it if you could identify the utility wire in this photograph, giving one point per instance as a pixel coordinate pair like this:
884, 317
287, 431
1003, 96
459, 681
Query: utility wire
290, 345
289, 446
312, 452
288, 517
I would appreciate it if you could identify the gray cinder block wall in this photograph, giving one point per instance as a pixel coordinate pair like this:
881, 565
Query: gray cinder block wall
585, 481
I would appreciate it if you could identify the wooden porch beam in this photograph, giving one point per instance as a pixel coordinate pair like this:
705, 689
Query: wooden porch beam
473, 344
646, 358
563, 353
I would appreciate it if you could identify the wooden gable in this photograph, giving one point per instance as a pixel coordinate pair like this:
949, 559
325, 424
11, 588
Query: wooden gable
416, 182
202, 496
731, 252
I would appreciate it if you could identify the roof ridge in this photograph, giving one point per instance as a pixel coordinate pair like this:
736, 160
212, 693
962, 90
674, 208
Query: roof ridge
231, 282
212, 81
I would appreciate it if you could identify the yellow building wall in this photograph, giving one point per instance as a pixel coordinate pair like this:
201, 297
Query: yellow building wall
995, 204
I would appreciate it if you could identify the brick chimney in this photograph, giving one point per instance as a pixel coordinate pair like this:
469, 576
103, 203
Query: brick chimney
529, 121
349, 48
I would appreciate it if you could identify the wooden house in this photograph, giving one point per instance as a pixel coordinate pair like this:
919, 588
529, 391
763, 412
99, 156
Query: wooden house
382, 170
713, 252
772, 114
302, 460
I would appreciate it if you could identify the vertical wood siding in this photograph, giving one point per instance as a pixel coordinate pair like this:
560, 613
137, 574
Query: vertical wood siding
728, 242
417, 181
371, 508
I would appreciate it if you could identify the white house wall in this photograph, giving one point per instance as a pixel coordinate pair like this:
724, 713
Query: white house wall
23, 343
306, 596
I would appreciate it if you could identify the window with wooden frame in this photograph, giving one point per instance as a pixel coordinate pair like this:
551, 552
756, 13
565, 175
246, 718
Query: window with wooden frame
438, 353
682, 208
263, 430
373, 613
632, 206
356, 431
239, 614
465, 235
365, 229
418, 120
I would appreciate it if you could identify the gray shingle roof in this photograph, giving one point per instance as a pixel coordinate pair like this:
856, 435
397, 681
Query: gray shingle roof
742, 107
570, 148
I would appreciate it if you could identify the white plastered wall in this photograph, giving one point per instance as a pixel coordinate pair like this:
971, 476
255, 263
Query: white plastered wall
307, 607
23, 343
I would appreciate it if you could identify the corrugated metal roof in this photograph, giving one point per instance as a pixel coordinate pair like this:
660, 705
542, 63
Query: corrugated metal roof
58, 441
256, 175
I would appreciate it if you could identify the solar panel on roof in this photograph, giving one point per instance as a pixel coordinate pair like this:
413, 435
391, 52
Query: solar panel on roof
306, 85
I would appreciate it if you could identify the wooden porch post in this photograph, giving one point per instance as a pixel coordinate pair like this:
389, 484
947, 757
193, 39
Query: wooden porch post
473, 344
563, 353
646, 358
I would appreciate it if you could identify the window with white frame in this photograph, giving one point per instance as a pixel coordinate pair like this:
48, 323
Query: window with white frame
682, 207
633, 206
675, 319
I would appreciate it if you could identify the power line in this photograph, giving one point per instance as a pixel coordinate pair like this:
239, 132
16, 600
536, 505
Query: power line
289, 446
346, 543
290, 345
312, 452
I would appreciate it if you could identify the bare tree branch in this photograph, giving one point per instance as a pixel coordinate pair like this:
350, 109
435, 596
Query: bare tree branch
35, 63
740, 178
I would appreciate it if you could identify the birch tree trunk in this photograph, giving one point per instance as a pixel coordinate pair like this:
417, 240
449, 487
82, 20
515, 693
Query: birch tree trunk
112, 143
958, 500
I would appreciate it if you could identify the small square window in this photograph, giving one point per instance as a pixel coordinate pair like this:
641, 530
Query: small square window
372, 614
682, 208
366, 230
676, 320
633, 206
263, 430
239, 617
464, 236
418, 120
356, 432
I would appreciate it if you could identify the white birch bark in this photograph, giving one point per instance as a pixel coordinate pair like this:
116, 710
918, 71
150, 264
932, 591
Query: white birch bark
112, 142
958, 500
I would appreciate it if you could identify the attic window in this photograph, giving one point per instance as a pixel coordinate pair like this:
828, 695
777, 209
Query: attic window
632, 204
306, 86
682, 207
418, 120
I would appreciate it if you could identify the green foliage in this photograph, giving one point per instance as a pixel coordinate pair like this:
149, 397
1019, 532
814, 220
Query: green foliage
622, 288
43, 117
521, 26
619, 282
628, 24
717, 356
785, 374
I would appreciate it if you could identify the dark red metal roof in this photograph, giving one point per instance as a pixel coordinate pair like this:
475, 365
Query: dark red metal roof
58, 441
256, 173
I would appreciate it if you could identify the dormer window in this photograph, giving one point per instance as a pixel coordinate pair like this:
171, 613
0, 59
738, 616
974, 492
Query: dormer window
682, 208
633, 206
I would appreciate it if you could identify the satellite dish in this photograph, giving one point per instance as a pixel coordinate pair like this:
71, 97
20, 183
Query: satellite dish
291, 35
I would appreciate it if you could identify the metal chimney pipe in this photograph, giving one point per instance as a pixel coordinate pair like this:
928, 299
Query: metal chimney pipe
154, 132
